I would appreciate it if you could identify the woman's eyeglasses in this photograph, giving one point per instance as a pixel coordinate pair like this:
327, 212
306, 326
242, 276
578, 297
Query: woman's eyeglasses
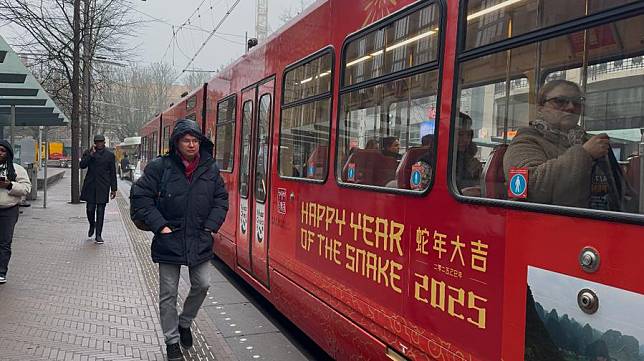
563, 101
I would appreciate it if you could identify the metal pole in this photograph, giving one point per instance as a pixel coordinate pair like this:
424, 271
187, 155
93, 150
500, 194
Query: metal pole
44, 196
12, 126
641, 151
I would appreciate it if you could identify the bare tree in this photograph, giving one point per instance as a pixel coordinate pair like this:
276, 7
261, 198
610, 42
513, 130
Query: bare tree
134, 96
196, 79
55, 31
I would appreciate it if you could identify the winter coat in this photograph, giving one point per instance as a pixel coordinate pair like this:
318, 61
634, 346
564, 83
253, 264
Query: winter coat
100, 177
20, 186
164, 197
560, 173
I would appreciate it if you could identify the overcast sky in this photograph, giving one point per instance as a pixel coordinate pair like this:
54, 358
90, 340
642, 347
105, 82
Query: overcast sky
154, 39
154, 42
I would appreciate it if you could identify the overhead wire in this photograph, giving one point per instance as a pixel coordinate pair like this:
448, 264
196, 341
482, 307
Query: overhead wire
203, 45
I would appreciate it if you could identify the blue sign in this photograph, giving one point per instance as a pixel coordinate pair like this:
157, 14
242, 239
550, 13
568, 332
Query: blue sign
351, 173
518, 185
416, 178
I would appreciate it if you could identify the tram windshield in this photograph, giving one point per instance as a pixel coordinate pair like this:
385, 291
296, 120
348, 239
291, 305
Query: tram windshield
568, 110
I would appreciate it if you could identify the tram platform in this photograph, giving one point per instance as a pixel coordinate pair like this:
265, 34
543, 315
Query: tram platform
68, 298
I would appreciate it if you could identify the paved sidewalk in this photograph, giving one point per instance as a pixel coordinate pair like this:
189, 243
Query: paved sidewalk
69, 299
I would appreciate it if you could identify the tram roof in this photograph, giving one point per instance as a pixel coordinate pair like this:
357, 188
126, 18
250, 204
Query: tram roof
18, 87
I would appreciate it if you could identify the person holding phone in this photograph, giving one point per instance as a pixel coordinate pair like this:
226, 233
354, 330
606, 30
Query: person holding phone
99, 185
14, 184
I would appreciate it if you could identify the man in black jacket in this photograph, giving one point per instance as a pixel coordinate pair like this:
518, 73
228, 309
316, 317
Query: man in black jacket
182, 199
100, 178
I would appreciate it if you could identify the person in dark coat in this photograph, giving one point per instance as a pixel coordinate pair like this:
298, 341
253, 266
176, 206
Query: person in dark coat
182, 199
99, 180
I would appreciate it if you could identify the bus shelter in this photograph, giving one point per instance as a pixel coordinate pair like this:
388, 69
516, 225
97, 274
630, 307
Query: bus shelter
24, 103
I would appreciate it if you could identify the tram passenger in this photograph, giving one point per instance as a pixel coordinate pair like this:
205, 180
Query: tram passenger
371, 144
468, 167
99, 185
566, 166
182, 199
14, 184
391, 147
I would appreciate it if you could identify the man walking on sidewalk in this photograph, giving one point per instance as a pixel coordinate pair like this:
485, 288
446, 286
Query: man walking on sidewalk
100, 177
14, 184
182, 199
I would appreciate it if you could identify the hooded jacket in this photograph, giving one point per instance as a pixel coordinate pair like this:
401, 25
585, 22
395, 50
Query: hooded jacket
561, 173
164, 197
20, 185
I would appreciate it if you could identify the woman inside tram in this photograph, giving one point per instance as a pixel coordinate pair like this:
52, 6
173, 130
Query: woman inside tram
566, 166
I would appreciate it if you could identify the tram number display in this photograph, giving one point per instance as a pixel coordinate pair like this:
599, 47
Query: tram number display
374, 249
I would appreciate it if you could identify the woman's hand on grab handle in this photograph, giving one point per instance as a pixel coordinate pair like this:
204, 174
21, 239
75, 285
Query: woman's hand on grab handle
166, 230
598, 146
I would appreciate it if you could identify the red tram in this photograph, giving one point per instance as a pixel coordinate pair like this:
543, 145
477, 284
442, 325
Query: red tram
363, 148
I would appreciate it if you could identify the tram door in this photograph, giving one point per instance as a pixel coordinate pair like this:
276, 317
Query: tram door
252, 243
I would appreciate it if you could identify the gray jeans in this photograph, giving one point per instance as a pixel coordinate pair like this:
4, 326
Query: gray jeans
168, 288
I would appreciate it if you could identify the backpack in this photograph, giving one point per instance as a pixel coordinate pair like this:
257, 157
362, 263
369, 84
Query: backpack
135, 213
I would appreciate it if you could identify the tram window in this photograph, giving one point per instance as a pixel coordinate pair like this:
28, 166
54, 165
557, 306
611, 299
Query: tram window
262, 143
386, 133
225, 134
247, 118
304, 140
549, 119
167, 133
489, 21
309, 79
306, 119
404, 43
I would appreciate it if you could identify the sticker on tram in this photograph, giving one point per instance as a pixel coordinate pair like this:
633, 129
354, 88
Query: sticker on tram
569, 318
243, 215
518, 185
351, 172
416, 176
311, 170
281, 200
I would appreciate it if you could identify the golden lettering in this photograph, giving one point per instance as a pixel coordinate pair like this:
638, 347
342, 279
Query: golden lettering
367, 221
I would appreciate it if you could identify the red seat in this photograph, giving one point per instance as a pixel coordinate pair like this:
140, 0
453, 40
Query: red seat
403, 173
371, 167
316, 164
493, 177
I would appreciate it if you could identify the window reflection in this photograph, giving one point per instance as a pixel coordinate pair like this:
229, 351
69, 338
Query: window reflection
387, 134
560, 108
405, 43
225, 134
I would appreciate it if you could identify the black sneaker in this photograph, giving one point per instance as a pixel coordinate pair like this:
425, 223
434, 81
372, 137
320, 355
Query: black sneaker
3, 279
174, 352
91, 230
185, 336
99, 240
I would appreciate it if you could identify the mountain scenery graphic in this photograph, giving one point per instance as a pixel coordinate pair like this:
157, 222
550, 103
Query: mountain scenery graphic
550, 337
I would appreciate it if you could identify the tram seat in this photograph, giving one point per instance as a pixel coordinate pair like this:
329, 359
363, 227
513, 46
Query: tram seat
493, 177
316, 164
371, 167
403, 173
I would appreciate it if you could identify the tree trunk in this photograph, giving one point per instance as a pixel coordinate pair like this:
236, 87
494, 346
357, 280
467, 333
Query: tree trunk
75, 88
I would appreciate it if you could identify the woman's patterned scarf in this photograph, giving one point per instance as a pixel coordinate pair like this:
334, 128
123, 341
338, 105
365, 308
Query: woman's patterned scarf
574, 136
